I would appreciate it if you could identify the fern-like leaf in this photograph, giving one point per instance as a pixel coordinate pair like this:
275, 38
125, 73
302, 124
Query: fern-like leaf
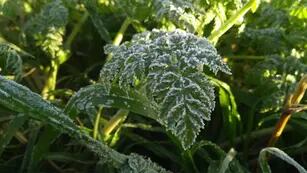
47, 28
167, 67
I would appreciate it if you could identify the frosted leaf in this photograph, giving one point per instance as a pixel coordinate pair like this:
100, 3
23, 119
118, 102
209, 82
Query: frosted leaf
190, 15
10, 61
88, 98
20, 99
169, 65
182, 13
186, 100
138, 164
47, 28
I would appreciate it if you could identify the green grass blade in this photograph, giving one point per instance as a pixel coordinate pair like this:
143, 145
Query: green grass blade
67, 158
263, 159
97, 19
27, 159
21, 99
14, 125
229, 157
231, 117
41, 148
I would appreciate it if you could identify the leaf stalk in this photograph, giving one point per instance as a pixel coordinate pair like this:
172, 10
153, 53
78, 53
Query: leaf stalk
293, 100
215, 35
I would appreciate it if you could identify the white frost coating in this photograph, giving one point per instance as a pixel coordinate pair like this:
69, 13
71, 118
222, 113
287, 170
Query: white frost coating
170, 66
21, 99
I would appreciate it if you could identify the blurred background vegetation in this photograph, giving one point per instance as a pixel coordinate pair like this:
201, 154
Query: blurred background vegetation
55, 47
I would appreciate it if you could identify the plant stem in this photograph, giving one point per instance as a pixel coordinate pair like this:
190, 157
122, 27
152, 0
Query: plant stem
294, 99
51, 80
215, 35
122, 114
120, 34
96, 125
244, 57
50, 84
76, 30
117, 119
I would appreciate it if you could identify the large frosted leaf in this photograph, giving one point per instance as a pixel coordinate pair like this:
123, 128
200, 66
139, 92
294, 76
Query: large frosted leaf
168, 67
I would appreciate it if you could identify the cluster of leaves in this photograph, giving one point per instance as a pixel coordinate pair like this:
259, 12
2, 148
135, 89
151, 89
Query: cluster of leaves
273, 79
160, 81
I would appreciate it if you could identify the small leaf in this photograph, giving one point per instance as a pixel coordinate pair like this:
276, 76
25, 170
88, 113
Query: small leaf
10, 61
87, 98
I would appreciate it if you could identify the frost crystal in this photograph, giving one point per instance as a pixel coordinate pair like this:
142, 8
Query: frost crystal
138, 164
170, 66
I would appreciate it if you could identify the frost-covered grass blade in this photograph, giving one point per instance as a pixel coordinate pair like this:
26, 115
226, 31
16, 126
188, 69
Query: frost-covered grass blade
263, 156
19, 98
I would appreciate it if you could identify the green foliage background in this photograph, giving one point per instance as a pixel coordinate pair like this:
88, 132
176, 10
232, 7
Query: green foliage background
57, 48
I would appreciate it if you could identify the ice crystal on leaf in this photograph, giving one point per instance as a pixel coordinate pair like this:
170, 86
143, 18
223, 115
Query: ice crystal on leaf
168, 67
138, 164
20, 99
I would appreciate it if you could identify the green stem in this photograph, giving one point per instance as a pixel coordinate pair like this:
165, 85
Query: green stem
249, 128
50, 84
120, 34
76, 30
96, 125
121, 114
117, 119
213, 38
245, 57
